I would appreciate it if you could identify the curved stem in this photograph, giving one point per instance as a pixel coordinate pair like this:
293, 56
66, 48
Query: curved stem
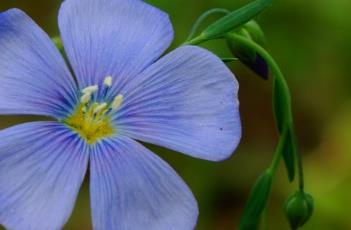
278, 77
300, 170
202, 18
277, 155
270, 61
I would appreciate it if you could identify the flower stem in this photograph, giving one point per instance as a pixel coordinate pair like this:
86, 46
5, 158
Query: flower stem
300, 171
288, 123
277, 157
204, 16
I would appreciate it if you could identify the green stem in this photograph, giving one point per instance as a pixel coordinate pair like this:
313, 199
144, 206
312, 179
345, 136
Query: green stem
276, 159
265, 225
300, 170
277, 155
270, 61
279, 77
203, 17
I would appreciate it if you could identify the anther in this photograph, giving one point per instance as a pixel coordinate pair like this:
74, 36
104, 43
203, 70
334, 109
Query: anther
90, 89
108, 81
85, 98
117, 101
100, 108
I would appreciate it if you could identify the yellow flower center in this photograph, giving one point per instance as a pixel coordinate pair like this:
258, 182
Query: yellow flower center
91, 127
92, 120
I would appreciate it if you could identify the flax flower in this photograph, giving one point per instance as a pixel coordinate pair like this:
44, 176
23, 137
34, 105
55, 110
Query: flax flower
122, 92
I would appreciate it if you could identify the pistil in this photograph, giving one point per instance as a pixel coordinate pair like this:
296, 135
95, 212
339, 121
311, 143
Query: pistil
92, 119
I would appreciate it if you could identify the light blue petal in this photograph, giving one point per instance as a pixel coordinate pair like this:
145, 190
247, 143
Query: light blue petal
33, 76
187, 101
131, 188
42, 166
112, 37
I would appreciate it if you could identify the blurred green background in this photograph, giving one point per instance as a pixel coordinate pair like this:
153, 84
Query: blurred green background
312, 42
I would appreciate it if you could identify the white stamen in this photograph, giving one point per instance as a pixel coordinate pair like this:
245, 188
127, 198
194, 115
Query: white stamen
108, 81
100, 107
85, 98
90, 89
117, 102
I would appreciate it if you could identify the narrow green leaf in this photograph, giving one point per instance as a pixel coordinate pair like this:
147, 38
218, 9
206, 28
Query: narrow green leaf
281, 102
289, 153
235, 19
229, 59
256, 203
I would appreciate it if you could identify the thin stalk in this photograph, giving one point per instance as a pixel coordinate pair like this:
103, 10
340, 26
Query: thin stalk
203, 17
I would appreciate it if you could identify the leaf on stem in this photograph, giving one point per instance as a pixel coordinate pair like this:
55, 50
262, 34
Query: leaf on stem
257, 202
281, 103
289, 153
235, 19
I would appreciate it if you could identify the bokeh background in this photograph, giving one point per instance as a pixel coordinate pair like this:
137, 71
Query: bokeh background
312, 42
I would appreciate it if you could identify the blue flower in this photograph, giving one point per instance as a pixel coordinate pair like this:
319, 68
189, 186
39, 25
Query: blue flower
123, 92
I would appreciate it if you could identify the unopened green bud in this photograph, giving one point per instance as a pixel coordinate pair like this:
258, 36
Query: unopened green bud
299, 209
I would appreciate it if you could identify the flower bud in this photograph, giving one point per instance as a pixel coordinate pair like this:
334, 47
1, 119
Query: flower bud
299, 209
256, 33
246, 55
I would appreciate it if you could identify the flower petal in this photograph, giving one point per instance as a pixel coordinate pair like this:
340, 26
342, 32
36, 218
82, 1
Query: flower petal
187, 101
131, 188
42, 166
34, 78
117, 38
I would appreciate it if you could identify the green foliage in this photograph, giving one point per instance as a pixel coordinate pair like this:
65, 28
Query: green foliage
289, 153
256, 202
235, 19
203, 17
281, 103
282, 111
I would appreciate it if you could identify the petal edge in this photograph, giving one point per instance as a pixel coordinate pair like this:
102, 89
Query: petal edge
187, 101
